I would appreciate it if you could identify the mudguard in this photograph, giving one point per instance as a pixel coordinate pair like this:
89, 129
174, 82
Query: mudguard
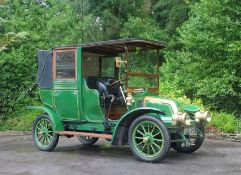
120, 134
57, 123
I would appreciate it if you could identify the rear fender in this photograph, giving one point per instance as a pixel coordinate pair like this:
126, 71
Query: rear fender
57, 123
120, 135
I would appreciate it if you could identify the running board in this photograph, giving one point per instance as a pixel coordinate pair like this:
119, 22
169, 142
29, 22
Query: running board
95, 135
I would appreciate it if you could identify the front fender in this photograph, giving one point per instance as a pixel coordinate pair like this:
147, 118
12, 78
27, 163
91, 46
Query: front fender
121, 130
57, 123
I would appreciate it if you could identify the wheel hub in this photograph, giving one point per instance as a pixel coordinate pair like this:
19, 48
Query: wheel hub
148, 138
44, 131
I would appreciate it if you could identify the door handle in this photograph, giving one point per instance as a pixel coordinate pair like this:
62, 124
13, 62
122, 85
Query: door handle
75, 92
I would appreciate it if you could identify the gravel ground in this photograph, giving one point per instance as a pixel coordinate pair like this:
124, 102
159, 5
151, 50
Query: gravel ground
18, 156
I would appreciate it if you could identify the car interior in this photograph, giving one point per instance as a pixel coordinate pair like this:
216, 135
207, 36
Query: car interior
99, 73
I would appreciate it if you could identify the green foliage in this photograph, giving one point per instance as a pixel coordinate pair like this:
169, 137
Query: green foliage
44, 29
15, 79
171, 14
202, 62
208, 66
21, 120
225, 122
168, 91
8, 39
142, 28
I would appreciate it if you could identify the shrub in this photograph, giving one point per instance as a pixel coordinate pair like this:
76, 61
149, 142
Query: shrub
224, 121
208, 65
19, 121
167, 91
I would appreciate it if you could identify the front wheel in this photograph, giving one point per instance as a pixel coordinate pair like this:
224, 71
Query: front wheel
194, 139
149, 139
43, 133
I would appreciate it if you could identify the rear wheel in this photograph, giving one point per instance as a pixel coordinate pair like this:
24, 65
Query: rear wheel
86, 140
149, 139
43, 133
194, 139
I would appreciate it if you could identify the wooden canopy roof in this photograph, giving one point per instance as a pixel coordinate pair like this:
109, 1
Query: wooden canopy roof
113, 47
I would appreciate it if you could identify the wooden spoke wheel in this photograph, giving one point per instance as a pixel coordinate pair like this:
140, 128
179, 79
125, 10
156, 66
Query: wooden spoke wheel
43, 133
149, 139
194, 139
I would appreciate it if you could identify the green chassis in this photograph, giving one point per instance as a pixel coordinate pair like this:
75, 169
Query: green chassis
72, 106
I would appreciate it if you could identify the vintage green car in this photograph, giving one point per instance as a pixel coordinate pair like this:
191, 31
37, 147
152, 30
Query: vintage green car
97, 90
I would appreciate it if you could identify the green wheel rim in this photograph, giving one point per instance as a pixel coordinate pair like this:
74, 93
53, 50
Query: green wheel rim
148, 139
191, 136
44, 132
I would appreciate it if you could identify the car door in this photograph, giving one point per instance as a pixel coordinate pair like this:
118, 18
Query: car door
65, 83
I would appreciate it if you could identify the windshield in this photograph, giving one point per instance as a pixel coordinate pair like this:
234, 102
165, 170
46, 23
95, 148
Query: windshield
142, 70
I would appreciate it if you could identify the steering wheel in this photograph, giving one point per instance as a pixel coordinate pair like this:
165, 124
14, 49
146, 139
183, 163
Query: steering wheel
115, 83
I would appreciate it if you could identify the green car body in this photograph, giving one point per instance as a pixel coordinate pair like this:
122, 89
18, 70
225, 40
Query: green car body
71, 105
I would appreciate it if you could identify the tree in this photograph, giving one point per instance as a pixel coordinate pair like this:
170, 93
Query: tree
8, 39
46, 24
142, 28
171, 14
208, 67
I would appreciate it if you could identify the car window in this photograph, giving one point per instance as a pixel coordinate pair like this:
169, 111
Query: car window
65, 64
90, 64
107, 67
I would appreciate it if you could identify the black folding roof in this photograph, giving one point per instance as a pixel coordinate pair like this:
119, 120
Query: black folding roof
113, 47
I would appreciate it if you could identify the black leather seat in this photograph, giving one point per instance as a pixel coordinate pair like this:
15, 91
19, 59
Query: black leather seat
91, 82
102, 86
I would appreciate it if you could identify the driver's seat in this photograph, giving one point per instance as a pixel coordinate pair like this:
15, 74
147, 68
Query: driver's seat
93, 83
103, 91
